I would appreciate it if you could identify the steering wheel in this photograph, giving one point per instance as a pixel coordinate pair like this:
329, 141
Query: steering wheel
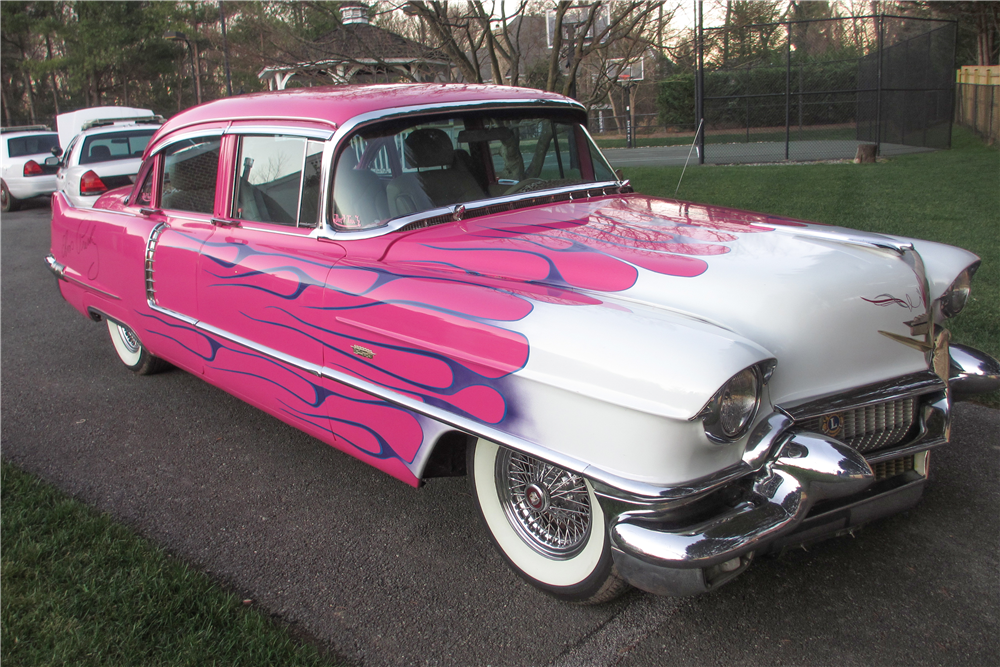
523, 186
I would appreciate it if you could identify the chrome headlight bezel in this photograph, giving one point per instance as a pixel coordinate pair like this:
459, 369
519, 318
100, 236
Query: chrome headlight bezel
955, 298
741, 392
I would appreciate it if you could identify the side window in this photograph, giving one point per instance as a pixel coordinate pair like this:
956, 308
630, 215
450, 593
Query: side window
278, 180
145, 197
69, 151
190, 168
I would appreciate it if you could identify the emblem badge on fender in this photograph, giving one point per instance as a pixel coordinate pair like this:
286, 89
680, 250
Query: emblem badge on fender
832, 425
362, 352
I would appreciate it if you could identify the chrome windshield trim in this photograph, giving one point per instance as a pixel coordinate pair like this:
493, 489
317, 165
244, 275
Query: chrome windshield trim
536, 198
907, 386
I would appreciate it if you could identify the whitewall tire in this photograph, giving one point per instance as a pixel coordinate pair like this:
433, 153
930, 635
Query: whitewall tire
131, 352
546, 522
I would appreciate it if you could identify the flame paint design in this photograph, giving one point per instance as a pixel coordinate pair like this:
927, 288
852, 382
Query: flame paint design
431, 312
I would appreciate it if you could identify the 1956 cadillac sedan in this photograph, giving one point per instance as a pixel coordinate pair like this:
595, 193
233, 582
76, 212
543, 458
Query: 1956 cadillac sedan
451, 280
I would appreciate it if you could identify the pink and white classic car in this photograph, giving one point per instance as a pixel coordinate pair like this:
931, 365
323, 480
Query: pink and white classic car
451, 280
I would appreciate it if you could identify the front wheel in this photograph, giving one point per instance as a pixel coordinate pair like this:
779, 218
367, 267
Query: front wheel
546, 522
132, 353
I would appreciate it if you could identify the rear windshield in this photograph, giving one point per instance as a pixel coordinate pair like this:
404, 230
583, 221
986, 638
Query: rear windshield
117, 146
35, 144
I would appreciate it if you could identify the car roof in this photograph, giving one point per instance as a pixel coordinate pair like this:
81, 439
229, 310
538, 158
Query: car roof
26, 130
332, 106
123, 126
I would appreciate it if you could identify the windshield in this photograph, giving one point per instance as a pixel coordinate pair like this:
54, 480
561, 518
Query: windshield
397, 169
115, 146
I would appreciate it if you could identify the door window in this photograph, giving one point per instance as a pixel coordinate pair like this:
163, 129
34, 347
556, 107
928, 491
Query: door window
277, 180
190, 169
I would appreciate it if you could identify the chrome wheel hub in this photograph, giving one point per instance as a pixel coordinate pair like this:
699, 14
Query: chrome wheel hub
129, 340
547, 506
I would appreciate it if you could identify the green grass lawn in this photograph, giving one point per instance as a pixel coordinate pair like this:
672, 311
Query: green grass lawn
80, 589
949, 196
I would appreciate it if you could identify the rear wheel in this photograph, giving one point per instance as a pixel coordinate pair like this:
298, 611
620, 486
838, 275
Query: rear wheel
546, 522
7, 201
135, 357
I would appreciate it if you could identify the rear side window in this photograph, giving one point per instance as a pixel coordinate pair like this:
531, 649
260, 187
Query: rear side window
35, 144
117, 146
278, 180
190, 168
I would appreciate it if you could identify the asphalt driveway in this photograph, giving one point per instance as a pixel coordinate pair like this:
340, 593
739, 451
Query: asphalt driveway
388, 575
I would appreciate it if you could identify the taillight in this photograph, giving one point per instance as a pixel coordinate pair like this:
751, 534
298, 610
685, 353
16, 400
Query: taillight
91, 184
32, 168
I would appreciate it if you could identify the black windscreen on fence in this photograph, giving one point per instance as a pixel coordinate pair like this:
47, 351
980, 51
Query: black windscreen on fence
815, 90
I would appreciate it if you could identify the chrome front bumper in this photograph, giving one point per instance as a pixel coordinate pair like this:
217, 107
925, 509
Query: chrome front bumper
799, 486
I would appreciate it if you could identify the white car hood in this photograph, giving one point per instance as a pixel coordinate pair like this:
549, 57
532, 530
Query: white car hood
675, 298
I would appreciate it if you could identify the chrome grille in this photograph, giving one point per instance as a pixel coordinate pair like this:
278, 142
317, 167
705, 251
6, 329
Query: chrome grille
887, 469
870, 427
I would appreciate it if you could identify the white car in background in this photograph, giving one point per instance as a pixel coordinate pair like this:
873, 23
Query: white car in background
105, 152
22, 163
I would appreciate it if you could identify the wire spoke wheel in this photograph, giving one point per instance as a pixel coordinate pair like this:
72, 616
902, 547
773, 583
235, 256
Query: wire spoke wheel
546, 521
547, 506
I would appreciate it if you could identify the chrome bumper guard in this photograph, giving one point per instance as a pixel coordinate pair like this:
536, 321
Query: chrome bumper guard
797, 487
972, 372
810, 467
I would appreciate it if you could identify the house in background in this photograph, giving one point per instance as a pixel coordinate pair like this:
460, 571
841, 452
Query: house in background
359, 52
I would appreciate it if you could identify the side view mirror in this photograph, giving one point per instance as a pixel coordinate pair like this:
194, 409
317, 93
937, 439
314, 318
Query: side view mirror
53, 161
57, 151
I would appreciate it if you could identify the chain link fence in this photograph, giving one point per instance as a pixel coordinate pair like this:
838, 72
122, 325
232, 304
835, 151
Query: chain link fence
817, 89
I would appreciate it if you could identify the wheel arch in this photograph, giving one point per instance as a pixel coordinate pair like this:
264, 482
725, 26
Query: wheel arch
448, 455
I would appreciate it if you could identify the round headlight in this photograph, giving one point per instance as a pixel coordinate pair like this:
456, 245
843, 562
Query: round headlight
737, 402
955, 297
730, 412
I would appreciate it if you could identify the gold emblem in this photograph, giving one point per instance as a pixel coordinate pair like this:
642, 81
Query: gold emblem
832, 425
363, 352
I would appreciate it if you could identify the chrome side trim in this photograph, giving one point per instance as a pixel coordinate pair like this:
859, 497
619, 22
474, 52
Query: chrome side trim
154, 236
174, 314
605, 483
896, 388
59, 271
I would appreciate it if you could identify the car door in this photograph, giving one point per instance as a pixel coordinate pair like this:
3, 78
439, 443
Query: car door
261, 277
178, 194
